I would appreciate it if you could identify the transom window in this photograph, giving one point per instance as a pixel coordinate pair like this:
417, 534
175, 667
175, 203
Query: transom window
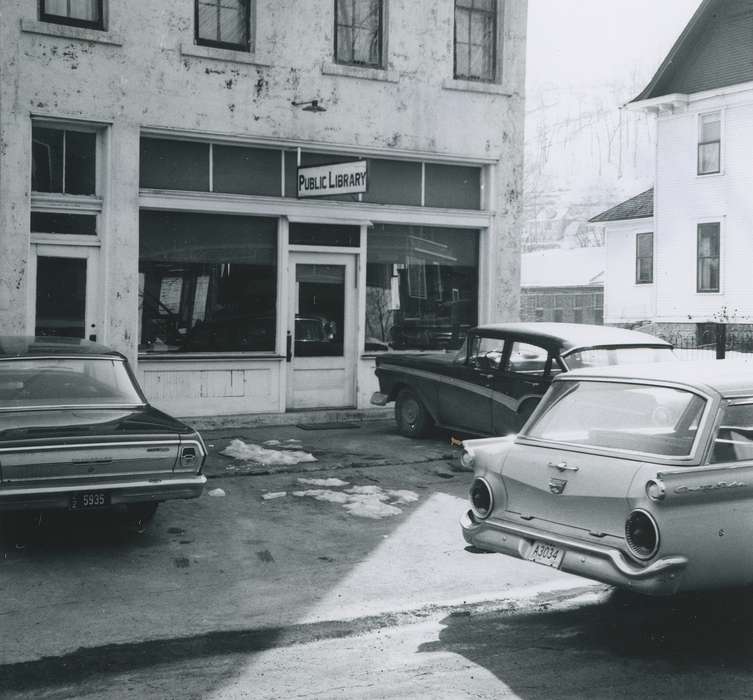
476, 39
358, 32
708, 258
709, 143
79, 13
644, 258
224, 24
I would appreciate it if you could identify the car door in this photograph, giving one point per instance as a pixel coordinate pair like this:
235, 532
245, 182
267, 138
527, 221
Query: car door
525, 375
465, 394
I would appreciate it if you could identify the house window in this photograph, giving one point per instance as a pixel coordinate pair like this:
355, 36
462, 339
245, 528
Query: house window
63, 161
708, 258
709, 143
358, 32
224, 24
476, 39
78, 13
644, 258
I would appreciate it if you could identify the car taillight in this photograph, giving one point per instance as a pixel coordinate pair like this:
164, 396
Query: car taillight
482, 498
188, 456
655, 490
467, 459
642, 534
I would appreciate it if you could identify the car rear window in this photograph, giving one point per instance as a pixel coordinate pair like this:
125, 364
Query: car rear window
602, 357
641, 418
58, 382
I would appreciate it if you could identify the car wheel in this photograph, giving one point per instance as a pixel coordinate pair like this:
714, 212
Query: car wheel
139, 515
412, 418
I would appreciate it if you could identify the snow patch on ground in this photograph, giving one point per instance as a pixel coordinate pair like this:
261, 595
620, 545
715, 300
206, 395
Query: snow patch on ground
324, 482
216, 492
248, 452
274, 494
362, 501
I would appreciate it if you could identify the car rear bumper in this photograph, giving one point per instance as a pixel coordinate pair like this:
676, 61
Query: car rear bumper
593, 561
379, 399
120, 493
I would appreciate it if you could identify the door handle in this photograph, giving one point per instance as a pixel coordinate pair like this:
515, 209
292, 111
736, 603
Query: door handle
563, 466
289, 347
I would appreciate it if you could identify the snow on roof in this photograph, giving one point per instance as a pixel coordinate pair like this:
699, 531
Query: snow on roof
573, 267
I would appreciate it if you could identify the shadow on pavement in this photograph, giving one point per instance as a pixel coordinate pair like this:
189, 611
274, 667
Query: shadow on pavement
690, 646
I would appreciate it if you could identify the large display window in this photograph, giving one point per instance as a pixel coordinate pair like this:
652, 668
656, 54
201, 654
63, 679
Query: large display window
207, 283
421, 287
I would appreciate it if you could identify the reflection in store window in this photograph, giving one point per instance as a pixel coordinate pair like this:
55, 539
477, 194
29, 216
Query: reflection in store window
207, 283
422, 287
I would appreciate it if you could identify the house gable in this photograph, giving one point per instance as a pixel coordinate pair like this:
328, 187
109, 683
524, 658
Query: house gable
715, 50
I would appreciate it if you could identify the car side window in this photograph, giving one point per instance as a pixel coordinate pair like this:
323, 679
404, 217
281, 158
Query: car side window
532, 360
733, 441
486, 353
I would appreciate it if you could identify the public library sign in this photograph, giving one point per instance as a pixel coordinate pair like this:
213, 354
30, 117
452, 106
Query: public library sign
338, 178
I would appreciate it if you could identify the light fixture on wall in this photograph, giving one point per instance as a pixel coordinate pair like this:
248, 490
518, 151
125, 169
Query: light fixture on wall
310, 106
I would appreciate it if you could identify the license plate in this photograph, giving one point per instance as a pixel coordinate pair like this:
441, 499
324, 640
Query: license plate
88, 500
546, 554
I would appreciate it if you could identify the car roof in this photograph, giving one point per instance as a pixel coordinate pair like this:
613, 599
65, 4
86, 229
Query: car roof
14, 346
729, 378
571, 336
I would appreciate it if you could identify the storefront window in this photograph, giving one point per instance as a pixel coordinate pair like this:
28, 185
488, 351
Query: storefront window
421, 287
207, 283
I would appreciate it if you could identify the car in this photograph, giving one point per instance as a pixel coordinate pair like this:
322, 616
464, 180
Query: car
77, 433
636, 476
492, 384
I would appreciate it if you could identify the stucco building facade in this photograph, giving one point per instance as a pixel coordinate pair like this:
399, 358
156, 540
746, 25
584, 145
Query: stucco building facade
150, 194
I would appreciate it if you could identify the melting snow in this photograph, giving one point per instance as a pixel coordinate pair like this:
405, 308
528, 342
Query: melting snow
362, 501
324, 482
216, 492
248, 452
274, 494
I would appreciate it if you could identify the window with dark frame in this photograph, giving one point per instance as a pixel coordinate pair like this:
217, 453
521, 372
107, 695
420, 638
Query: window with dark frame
63, 161
476, 40
76, 13
359, 32
709, 143
644, 258
708, 258
224, 24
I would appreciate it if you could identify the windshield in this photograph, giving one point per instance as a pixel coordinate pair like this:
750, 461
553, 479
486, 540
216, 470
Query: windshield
601, 357
636, 417
54, 382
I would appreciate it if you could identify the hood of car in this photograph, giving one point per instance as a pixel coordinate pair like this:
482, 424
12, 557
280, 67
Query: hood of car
64, 425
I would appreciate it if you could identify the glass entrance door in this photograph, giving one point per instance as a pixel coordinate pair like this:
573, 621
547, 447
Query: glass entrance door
321, 327
65, 292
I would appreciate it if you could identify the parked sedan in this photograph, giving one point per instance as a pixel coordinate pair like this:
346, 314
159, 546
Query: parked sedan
640, 477
77, 433
493, 383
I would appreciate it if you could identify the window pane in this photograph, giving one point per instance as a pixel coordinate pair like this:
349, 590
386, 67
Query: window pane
324, 234
359, 31
84, 9
208, 21
734, 438
421, 287
366, 47
462, 26
81, 10
61, 297
345, 44
528, 359
645, 244
708, 239
232, 24
80, 148
174, 165
47, 160
239, 170
709, 158
393, 182
711, 128
453, 186
320, 319
78, 224
645, 269
207, 282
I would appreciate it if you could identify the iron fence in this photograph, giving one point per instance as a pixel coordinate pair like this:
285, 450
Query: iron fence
711, 340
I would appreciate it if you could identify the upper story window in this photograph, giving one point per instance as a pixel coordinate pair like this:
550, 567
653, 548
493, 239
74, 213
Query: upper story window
709, 143
63, 160
224, 24
708, 258
644, 258
359, 32
476, 40
78, 13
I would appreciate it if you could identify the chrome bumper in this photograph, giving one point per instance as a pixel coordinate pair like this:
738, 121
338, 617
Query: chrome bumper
606, 564
58, 497
379, 399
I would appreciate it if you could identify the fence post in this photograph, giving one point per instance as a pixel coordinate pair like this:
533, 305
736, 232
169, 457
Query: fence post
721, 340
